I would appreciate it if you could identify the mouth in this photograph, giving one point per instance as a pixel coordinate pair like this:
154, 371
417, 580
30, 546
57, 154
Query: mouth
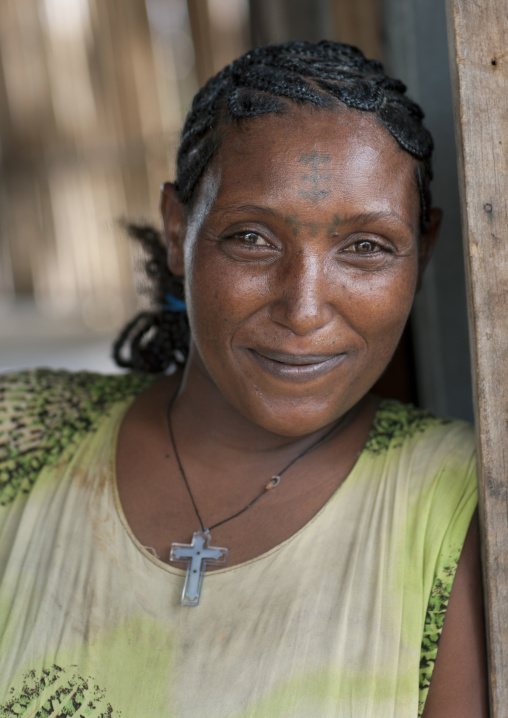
295, 367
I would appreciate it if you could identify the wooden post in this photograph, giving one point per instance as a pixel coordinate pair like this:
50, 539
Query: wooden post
199, 16
478, 42
359, 23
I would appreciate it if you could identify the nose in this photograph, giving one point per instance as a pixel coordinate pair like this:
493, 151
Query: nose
303, 302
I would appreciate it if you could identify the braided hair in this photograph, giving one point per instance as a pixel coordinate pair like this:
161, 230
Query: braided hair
263, 81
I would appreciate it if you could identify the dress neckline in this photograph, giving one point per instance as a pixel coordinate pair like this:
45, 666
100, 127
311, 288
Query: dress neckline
146, 552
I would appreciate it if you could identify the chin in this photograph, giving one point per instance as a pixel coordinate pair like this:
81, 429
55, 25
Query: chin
294, 417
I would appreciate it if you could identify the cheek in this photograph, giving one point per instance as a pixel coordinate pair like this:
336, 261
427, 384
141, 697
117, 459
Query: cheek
378, 305
221, 297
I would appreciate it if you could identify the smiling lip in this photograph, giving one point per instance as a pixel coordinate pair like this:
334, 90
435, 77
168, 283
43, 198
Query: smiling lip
295, 367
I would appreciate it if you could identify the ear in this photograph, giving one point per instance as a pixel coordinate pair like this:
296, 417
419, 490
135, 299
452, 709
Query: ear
427, 242
175, 227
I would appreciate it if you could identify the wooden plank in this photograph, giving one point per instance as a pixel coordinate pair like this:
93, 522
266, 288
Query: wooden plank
199, 17
359, 23
274, 21
220, 34
478, 41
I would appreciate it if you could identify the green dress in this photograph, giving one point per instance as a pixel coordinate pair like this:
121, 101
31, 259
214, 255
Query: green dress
342, 619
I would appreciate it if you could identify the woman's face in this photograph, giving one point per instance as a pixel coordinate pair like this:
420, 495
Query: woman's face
301, 259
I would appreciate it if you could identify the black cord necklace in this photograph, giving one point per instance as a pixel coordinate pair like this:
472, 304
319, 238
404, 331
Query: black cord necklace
199, 553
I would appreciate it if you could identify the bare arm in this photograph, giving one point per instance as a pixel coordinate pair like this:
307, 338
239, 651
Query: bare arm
458, 688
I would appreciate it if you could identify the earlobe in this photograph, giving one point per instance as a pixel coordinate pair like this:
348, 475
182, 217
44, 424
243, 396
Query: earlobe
428, 241
174, 227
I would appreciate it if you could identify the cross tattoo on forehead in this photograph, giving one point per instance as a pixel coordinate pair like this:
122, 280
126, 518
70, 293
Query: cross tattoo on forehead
316, 177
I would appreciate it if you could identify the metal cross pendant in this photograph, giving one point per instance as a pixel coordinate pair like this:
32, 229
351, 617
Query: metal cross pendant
197, 554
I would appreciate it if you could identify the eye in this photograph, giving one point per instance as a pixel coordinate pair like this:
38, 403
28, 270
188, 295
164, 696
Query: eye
368, 252
365, 246
252, 238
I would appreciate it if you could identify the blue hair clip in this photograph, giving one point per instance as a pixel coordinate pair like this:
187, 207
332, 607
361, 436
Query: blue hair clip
173, 304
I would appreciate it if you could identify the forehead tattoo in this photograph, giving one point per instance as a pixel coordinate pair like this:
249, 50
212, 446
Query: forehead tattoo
316, 179
329, 228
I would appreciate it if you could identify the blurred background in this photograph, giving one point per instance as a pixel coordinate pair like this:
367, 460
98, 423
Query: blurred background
93, 94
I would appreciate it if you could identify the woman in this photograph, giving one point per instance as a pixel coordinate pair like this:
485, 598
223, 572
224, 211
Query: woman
332, 523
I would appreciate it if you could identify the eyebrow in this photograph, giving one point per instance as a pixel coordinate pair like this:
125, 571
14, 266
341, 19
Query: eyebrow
373, 216
363, 217
246, 208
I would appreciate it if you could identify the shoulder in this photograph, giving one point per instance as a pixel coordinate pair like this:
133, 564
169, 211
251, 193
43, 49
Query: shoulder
398, 425
44, 411
426, 449
431, 462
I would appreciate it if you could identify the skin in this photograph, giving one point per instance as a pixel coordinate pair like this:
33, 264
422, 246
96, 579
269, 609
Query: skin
301, 256
315, 265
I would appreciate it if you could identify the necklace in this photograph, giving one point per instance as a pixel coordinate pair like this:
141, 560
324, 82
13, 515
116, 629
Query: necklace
199, 553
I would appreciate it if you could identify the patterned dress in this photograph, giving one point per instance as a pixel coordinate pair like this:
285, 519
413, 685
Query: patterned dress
342, 619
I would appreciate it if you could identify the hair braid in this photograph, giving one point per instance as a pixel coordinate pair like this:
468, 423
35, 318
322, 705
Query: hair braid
157, 338
263, 81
